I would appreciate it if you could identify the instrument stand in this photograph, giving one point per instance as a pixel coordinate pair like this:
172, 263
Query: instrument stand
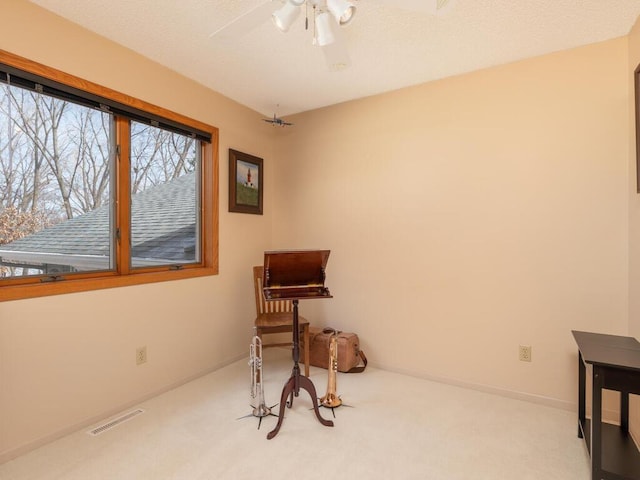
333, 409
297, 381
259, 412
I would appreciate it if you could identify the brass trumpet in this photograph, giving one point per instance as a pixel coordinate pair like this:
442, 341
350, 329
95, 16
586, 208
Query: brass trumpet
331, 399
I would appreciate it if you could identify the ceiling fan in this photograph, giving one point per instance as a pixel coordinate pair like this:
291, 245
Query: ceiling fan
277, 121
326, 17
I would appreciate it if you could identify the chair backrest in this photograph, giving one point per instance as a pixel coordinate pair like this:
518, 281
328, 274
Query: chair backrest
262, 306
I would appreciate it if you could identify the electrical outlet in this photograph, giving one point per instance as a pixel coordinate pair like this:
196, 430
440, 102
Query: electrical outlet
141, 355
525, 353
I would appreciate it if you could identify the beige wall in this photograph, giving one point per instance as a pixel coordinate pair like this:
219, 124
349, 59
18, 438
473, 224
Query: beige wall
634, 220
634, 197
469, 216
70, 358
465, 217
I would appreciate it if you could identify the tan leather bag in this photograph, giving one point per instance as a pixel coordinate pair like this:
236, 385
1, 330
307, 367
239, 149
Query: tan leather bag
349, 354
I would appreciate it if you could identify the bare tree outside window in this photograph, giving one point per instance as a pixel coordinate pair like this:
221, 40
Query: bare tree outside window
163, 167
56, 168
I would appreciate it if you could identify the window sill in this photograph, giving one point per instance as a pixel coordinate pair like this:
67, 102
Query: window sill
19, 292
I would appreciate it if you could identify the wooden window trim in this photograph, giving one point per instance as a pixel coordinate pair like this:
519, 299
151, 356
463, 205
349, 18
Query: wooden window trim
209, 205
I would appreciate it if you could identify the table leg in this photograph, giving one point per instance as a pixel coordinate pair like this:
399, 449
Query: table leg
581, 394
624, 411
596, 424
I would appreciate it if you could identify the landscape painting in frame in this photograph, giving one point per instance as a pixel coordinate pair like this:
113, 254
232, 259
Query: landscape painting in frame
245, 183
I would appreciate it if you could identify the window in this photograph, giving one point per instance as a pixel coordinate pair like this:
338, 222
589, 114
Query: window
164, 197
98, 189
57, 161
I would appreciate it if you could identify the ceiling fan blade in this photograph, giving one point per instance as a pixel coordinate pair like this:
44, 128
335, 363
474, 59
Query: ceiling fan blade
432, 7
246, 22
336, 54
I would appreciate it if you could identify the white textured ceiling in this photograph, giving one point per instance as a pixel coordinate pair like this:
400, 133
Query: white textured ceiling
390, 48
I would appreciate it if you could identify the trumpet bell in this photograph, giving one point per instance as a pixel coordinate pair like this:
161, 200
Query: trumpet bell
331, 400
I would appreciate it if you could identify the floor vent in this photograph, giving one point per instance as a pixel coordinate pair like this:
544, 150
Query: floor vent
116, 421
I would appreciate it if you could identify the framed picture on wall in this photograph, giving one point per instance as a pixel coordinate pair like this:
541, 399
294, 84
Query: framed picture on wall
636, 81
245, 183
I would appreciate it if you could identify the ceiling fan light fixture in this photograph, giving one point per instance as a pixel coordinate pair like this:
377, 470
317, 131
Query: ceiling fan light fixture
286, 15
342, 10
324, 32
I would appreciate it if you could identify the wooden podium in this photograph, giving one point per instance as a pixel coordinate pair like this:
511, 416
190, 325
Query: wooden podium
295, 275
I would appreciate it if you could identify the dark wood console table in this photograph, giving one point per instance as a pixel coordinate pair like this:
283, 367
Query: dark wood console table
615, 364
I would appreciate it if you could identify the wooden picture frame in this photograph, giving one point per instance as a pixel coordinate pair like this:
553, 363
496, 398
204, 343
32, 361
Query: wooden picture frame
245, 183
636, 82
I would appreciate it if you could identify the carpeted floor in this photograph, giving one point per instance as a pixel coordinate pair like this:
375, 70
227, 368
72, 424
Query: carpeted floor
400, 427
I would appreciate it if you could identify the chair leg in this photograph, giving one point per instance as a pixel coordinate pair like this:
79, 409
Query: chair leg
305, 335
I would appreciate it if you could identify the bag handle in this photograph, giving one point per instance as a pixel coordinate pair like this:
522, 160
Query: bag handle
331, 330
363, 357
361, 368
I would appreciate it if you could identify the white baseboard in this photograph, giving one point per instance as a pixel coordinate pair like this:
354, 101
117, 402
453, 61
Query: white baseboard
503, 392
32, 445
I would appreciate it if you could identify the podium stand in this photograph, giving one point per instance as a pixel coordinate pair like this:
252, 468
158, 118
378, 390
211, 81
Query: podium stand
295, 275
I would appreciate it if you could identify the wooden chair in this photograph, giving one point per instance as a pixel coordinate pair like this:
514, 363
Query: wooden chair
277, 317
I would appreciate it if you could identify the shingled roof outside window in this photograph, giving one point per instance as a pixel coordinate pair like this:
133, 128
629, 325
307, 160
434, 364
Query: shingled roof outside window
165, 233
